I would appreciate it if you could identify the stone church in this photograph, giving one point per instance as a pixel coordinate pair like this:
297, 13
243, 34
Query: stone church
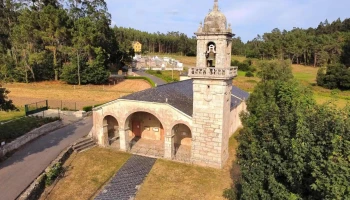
189, 121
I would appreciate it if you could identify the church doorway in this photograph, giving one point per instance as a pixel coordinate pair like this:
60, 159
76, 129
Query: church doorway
182, 142
111, 130
146, 134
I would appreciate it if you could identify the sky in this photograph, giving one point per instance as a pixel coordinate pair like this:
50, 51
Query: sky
247, 17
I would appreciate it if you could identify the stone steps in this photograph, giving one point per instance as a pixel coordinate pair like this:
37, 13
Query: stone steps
84, 144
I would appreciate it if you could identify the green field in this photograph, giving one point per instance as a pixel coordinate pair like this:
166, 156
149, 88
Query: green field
5, 116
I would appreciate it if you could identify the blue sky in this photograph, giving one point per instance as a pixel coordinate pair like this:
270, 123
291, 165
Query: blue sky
248, 17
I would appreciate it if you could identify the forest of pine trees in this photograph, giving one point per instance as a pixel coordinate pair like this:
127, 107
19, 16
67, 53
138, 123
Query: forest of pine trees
327, 44
73, 41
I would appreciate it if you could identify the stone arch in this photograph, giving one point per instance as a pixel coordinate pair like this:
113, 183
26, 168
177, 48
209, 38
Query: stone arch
110, 129
211, 54
182, 141
146, 127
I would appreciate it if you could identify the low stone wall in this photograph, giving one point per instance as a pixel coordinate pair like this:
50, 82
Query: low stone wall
29, 137
37, 187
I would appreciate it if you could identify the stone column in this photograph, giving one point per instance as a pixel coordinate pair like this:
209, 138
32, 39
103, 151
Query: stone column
169, 146
124, 139
105, 135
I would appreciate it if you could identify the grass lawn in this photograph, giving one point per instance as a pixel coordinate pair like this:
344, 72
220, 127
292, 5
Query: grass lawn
14, 129
87, 95
172, 180
6, 116
168, 76
86, 173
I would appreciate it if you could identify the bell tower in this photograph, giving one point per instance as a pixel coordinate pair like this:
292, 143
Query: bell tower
212, 85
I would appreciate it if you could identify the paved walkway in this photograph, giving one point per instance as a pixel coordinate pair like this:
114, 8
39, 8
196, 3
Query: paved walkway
125, 183
155, 79
18, 171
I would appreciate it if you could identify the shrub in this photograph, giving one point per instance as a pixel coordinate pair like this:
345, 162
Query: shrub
87, 108
142, 78
159, 72
235, 63
53, 173
249, 74
336, 76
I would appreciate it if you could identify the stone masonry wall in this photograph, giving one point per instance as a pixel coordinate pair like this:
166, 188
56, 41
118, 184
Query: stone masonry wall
222, 52
211, 116
29, 137
235, 121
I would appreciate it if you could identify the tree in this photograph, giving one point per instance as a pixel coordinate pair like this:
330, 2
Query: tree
5, 103
291, 148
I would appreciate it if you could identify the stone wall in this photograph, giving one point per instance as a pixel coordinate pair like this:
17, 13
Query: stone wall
29, 137
235, 121
37, 187
211, 119
223, 54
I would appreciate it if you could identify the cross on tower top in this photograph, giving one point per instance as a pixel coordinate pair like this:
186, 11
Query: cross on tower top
216, 5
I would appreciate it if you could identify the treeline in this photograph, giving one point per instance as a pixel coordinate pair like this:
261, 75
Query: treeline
69, 40
172, 42
327, 44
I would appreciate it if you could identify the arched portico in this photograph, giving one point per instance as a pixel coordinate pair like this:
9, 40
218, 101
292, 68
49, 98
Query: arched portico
146, 133
182, 142
110, 130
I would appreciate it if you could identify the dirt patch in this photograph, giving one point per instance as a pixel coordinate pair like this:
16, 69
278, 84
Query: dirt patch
55, 92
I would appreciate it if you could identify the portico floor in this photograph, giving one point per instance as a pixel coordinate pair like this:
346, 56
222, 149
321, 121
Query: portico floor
155, 148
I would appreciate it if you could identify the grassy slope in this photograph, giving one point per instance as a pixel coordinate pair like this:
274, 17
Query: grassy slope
14, 129
5, 116
86, 173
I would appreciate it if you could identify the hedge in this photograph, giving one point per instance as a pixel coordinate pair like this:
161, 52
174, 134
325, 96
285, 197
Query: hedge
142, 78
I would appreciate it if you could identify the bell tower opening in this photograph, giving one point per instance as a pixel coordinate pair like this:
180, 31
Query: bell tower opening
211, 54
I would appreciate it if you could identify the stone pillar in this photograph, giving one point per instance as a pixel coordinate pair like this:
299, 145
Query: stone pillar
105, 135
124, 139
169, 146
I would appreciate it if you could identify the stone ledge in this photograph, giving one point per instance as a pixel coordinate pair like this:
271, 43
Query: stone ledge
24, 139
37, 187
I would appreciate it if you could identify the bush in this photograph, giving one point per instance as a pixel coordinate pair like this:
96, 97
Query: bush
53, 173
159, 72
249, 74
89, 108
142, 78
246, 65
335, 76
235, 63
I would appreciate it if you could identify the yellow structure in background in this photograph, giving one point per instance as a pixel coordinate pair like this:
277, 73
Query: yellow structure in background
137, 46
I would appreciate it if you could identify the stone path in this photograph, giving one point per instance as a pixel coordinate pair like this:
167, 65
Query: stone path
125, 183
18, 171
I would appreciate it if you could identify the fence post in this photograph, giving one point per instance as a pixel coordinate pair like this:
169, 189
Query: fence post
26, 109
75, 109
47, 104
61, 104
36, 105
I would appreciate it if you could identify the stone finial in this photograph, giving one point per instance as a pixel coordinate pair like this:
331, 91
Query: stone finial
200, 29
229, 28
216, 5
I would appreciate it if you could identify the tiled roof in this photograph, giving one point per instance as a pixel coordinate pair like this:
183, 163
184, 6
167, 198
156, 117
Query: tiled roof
180, 95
